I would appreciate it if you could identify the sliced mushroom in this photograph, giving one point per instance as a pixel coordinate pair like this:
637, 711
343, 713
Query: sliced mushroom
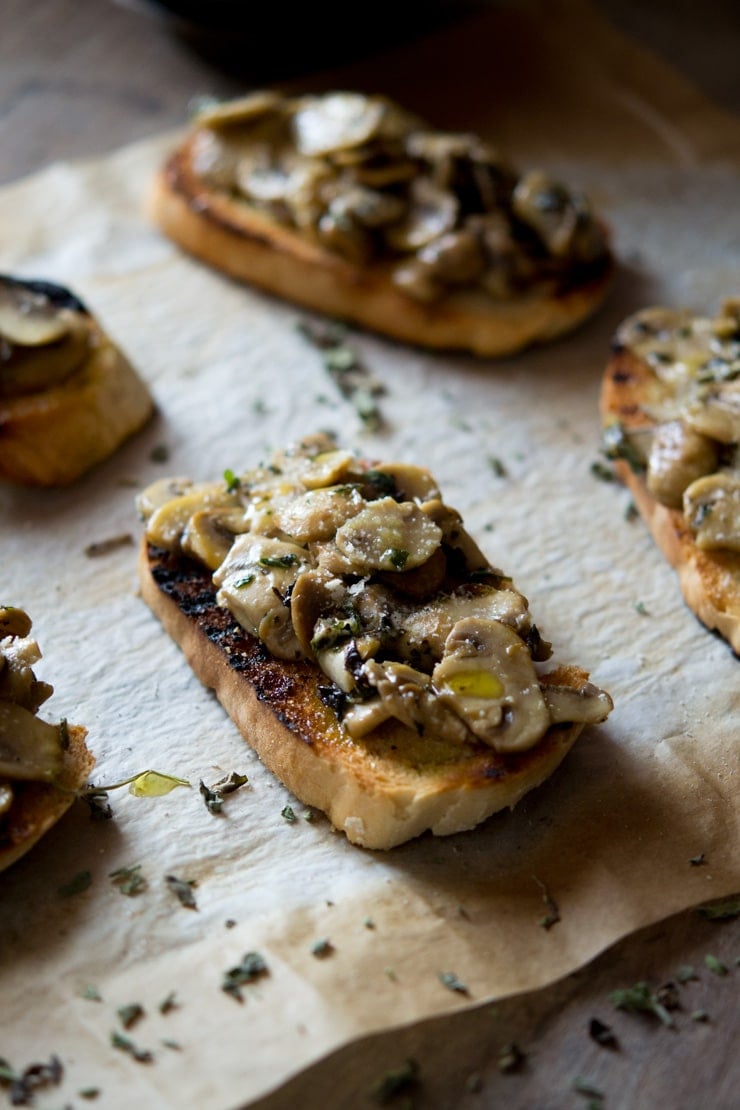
455, 258
388, 535
168, 521
678, 456
316, 595
209, 534
313, 516
30, 749
14, 621
546, 207
18, 683
711, 506
404, 695
29, 318
717, 414
327, 467
403, 481
487, 677
432, 212
255, 581
587, 705
336, 121
423, 630
245, 109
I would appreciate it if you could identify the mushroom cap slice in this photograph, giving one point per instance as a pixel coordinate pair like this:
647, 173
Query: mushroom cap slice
711, 506
30, 749
487, 677
388, 535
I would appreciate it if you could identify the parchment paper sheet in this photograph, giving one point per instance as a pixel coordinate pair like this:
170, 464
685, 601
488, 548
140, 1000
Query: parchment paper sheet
611, 834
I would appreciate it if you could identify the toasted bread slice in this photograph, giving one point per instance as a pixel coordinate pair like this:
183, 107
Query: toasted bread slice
483, 280
635, 401
360, 641
68, 395
42, 766
37, 806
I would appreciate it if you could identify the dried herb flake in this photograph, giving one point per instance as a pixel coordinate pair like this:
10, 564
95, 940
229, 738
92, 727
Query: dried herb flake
322, 948
129, 1015
721, 911
394, 1082
288, 814
641, 998
104, 547
129, 880
81, 881
602, 1033
510, 1058
125, 1044
183, 890
450, 980
251, 968
586, 1087
344, 366
168, 1004
715, 965
214, 795
686, 972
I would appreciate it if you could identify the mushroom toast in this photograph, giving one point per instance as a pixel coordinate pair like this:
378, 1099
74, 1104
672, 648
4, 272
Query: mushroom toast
68, 396
671, 410
360, 641
350, 205
41, 765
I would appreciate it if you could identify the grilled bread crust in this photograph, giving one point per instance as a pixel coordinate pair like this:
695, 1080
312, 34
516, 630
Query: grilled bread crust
709, 579
242, 242
381, 791
52, 437
37, 805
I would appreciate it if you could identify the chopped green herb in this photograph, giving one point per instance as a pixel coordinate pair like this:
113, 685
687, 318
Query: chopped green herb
715, 965
617, 445
450, 980
129, 880
510, 1058
721, 911
308, 815
125, 1044
23, 1085
399, 557
641, 609
160, 453
474, 1083
686, 972
81, 881
288, 814
699, 1015
130, 1014
394, 1082
232, 480
92, 994
251, 968
602, 472
601, 1033
89, 1093
381, 481
240, 583
353, 380
641, 998
497, 467
586, 1087
322, 948
553, 912
183, 890
168, 1004
104, 547
213, 796
369, 923
174, 1045
281, 561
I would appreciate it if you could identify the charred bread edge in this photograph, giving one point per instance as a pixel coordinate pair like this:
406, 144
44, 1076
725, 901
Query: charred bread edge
242, 243
370, 795
38, 806
703, 575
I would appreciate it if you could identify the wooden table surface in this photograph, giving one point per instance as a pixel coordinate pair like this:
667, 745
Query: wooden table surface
82, 77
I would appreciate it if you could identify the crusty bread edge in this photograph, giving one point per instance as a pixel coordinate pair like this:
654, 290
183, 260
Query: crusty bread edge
40, 805
702, 575
372, 815
52, 437
244, 244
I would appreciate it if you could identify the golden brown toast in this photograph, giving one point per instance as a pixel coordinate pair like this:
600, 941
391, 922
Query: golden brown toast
632, 400
533, 295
